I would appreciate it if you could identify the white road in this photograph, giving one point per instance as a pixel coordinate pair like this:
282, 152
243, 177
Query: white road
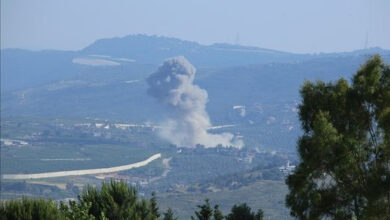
81, 172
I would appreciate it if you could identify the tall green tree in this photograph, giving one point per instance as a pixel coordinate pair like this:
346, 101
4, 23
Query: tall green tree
344, 169
259, 214
217, 213
168, 215
205, 211
154, 206
244, 212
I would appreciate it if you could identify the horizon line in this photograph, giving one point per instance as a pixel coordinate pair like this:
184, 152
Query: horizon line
189, 41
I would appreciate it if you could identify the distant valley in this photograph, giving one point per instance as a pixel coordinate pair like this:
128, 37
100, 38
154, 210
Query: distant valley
88, 109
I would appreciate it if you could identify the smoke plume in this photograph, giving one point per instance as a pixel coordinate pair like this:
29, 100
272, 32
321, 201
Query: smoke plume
172, 85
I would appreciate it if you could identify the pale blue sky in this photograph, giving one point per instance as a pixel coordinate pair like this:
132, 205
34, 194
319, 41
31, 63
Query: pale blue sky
289, 25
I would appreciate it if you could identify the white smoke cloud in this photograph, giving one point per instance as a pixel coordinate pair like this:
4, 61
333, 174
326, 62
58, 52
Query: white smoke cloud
172, 84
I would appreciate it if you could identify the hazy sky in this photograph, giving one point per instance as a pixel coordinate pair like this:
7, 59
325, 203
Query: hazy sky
288, 25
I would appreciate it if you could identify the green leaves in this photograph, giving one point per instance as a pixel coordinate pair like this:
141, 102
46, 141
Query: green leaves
117, 200
30, 209
344, 151
238, 212
168, 215
244, 212
114, 200
73, 211
205, 211
367, 81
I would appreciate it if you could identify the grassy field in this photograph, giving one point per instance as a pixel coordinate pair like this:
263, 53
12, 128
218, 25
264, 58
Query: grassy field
61, 157
267, 195
61, 144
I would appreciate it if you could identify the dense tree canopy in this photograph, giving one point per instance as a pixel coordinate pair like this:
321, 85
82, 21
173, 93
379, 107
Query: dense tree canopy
344, 169
30, 209
115, 200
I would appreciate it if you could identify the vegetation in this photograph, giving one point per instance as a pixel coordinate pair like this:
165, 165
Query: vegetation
205, 211
265, 194
344, 170
168, 215
238, 212
73, 211
114, 200
30, 209
243, 211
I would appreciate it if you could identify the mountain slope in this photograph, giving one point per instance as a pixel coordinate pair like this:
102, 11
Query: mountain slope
255, 89
152, 49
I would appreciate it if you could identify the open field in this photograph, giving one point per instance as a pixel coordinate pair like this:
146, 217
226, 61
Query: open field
81, 172
267, 195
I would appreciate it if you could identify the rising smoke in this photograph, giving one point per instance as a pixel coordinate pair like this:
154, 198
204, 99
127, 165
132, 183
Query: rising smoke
172, 85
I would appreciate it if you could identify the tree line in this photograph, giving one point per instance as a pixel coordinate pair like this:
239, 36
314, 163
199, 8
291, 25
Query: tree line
115, 200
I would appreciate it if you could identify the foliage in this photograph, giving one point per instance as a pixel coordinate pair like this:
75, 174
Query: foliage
268, 195
116, 200
168, 215
243, 212
205, 211
154, 205
73, 211
217, 213
344, 169
238, 212
30, 209
259, 214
